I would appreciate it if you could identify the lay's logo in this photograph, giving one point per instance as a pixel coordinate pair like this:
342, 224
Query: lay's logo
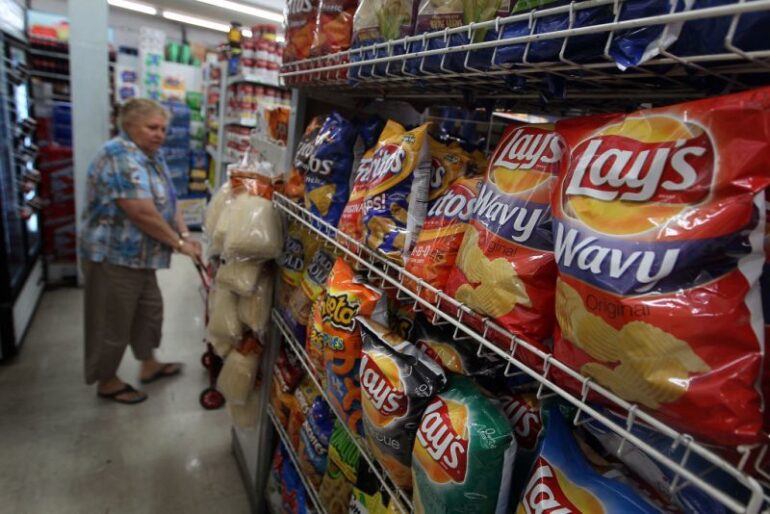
340, 311
549, 491
530, 148
388, 160
524, 419
380, 384
443, 442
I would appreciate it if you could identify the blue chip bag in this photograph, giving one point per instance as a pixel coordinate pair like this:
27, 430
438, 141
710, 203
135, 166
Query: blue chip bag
329, 166
376, 22
562, 480
689, 498
314, 438
293, 493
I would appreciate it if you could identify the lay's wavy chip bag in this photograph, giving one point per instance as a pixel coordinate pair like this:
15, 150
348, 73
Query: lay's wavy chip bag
397, 382
562, 480
328, 174
463, 454
658, 227
435, 253
505, 265
347, 297
396, 191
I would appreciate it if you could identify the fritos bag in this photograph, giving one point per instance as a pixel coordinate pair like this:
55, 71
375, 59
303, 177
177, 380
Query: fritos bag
328, 175
563, 480
351, 222
505, 265
435, 253
397, 382
463, 454
346, 298
334, 25
299, 24
396, 191
295, 184
658, 225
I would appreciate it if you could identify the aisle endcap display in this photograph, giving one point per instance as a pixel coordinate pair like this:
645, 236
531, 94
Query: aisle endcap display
404, 503
380, 270
467, 57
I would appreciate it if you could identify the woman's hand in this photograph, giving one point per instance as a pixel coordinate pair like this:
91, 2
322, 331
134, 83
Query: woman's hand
192, 249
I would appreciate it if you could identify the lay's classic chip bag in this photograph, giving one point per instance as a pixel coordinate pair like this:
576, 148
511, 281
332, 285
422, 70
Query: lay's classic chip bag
396, 191
433, 256
295, 184
463, 454
658, 225
328, 174
397, 382
562, 480
505, 265
347, 296
351, 221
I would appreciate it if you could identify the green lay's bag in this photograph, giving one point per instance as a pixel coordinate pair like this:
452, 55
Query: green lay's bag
463, 453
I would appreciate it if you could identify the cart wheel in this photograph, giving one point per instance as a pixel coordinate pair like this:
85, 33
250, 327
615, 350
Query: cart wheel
211, 399
207, 359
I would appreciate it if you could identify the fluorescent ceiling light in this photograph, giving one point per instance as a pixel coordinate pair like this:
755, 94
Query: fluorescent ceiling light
200, 22
245, 9
134, 6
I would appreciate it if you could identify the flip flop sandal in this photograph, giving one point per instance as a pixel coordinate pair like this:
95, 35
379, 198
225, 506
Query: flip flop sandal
128, 401
165, 371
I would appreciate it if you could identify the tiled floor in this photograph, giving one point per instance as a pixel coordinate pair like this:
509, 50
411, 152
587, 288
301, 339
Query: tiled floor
63, 450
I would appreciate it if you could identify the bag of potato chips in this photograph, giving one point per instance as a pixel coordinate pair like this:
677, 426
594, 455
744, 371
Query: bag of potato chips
397, 382
298, 27
562, 480
505, 265
347, 297
397, 187
295, 184
328, 174
658, 225
463, 454
334, 26
435, 253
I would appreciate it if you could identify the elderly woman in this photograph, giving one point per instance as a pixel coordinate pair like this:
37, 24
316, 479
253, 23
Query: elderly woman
130, 227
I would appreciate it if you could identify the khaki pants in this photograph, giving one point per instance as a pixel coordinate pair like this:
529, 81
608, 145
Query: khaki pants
123, 306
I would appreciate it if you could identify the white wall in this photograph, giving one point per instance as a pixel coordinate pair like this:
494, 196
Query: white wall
126, 25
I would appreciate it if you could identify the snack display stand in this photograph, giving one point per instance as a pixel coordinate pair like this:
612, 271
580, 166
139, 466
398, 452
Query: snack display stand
394, 70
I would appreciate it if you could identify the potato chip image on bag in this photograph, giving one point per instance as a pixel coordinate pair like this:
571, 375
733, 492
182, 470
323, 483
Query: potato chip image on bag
397, 382
397, 187
463, 454
329, 166
505, 267
347, 296
658, 227
562, 480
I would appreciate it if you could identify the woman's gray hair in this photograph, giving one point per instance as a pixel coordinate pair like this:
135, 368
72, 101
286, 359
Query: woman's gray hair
137, 108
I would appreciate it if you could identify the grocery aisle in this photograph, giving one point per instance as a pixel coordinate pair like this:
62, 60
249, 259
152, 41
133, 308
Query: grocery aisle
66, 451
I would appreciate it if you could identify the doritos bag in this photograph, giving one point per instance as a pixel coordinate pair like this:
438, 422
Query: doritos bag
295, 184
563, 480
396, 191
435, 253
351, 222
505, 265
463, 454
328, 175
347, 297
314, 441
334, 25
299, 24
658, 223
301, 299
397, 382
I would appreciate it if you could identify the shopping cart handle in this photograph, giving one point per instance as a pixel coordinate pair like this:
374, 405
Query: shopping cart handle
202, 274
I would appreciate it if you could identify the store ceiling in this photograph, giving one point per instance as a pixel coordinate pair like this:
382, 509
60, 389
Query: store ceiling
195, 8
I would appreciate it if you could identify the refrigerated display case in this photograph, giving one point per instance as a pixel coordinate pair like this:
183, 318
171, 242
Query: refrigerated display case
21, 270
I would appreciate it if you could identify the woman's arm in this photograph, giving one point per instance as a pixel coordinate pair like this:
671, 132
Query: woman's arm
181, 226
143, 213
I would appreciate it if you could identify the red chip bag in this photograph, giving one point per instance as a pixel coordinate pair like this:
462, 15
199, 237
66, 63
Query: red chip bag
334, 26
433, 256
505, 266
658, 226
299, 26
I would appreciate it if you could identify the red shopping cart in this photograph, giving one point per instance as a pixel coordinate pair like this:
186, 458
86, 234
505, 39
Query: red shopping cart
210, 398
